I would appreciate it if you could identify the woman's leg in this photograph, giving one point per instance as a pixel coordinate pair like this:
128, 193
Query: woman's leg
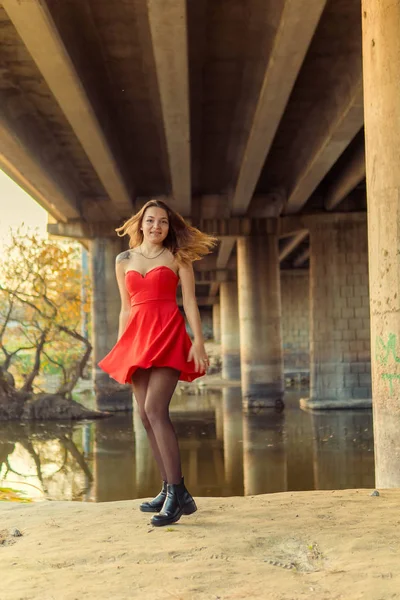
161, 386
140, 384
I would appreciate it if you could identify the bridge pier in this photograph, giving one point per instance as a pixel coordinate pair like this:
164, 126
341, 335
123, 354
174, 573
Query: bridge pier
260, 320
295, 286
340, 374
230, 334
381, 54
106, 305
216, 322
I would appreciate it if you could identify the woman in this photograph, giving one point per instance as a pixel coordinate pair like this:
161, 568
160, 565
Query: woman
153, 350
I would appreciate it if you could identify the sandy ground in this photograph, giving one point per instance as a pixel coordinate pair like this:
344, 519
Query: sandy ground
340, 544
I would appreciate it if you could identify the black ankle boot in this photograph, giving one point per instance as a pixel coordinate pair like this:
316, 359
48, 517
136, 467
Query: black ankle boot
157, 503
177, 503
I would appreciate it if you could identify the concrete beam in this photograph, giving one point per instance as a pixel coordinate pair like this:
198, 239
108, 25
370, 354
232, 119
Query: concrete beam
214, 287
291, 44
335, 125
201, 301
224, 252
286, 234
352, 174
293, 224
302, 258
20, 163
197, 13
292, 244
215, 276
209, 263
168, 25
222, 228
99, 209
34, 24
79, 229
237, 227
216, 206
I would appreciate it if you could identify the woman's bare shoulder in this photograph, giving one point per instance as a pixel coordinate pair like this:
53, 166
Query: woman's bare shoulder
123, 256
186, 267
171, 262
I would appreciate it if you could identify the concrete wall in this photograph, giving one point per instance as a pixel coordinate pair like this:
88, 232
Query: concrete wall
339, 313
295, 320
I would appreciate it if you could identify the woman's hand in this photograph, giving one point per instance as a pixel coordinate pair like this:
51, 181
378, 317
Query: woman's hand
198, 354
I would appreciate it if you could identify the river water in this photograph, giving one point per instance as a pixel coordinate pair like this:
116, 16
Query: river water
225, 452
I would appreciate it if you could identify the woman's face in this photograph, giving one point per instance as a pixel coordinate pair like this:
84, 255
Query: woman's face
155, 225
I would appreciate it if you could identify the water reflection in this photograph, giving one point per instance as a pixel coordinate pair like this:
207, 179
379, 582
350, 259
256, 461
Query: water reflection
225, 452
264, 452
113, 459
299, 434
343, 451
146, 472
233, 440
44, 461
200, 435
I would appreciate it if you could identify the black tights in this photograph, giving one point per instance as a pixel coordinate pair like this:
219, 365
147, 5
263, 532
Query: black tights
153, 389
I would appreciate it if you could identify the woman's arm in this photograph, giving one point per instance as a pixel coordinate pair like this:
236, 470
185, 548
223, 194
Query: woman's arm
197, 351
125, 299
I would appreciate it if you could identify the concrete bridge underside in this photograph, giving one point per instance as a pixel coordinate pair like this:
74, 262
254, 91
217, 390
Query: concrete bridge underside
248, 117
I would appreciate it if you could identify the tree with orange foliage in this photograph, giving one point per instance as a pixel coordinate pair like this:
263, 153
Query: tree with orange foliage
41, 310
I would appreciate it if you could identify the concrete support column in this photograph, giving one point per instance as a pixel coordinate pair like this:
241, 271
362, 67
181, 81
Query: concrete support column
339, 314
260, 320
295, 295
230, 334
381, 54
216, 319
106, 305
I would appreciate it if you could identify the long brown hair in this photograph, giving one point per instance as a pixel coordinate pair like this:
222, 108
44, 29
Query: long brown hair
184, 241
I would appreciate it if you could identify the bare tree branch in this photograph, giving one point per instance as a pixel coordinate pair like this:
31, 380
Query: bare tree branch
77, 371
7, 317
70, 446
10, 355
27, 387
23, 300
60, 365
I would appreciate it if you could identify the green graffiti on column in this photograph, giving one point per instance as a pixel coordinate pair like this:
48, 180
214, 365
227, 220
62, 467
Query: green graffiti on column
390, 377
384, 351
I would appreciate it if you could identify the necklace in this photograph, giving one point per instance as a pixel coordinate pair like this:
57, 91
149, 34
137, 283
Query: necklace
151, 257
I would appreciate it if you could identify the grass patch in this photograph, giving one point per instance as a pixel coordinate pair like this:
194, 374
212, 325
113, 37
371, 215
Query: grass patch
11, 495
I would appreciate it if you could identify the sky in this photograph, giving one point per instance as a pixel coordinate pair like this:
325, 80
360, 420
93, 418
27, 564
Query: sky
16, 208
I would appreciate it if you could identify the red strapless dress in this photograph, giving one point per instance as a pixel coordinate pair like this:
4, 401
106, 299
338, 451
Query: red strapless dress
155, 335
